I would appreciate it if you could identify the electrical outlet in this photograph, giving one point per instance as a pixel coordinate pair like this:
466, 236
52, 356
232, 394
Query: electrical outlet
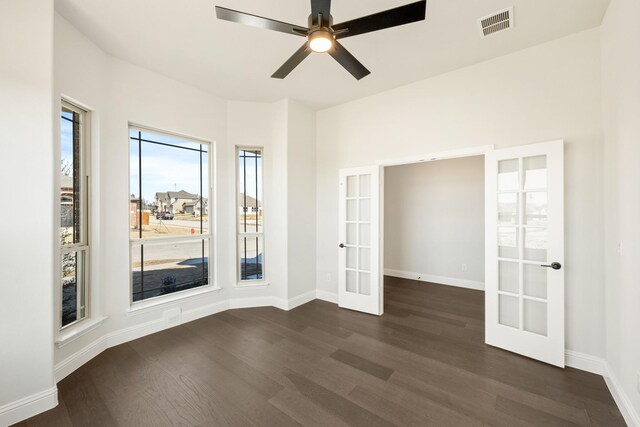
465, 267
173, 315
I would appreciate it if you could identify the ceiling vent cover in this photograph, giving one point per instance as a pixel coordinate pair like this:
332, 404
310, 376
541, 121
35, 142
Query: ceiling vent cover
496, 22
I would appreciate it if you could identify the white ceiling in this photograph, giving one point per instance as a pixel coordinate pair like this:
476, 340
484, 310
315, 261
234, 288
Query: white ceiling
182, 39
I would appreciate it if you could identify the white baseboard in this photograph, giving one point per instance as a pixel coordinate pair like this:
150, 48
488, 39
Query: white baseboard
29, 406
431, 278
585, 362
327, 296
631, 416
85, 354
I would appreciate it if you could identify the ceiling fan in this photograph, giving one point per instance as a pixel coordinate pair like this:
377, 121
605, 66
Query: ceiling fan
322, 35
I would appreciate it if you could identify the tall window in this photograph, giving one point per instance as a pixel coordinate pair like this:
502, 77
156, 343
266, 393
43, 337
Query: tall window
250, 229
168, 214
74, 230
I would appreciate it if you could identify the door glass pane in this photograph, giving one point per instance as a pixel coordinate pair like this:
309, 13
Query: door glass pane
352, 257
352, 285
365, 259
352, 210
352, 186
365, 283
535, 244
509, 311
535, 280
535, 208
508, 175
535, 172
352, 230
507, 242
365, 210
535, 316
365, 234
365, 186
508, 277
508, 208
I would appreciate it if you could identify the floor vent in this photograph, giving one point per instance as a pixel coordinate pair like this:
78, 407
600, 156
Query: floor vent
496, 22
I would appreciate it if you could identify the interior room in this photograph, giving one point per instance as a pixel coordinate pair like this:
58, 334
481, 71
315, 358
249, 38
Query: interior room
391, 212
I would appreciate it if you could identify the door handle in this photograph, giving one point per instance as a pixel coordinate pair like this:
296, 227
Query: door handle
554, 265
341, 245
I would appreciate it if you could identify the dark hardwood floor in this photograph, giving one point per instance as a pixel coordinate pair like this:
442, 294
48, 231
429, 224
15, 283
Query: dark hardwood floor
424, 362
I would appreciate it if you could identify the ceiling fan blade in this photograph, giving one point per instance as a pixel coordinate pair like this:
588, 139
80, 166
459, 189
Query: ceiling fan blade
259, 22
321, 6
348, 61
292, 62
379, 21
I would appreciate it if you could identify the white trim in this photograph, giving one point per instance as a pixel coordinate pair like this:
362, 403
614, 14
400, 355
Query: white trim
631, 416
585, 362
157, 303
438, 155
331, 297
76, 332
29, 406
431, 278
84, 355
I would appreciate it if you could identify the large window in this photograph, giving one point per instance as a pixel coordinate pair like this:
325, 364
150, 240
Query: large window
169, 213
74, 230
250, 213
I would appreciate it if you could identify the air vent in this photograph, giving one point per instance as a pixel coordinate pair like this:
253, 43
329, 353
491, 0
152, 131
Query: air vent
496, 22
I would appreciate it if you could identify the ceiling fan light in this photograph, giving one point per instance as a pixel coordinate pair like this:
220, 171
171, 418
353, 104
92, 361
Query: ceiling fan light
320, 41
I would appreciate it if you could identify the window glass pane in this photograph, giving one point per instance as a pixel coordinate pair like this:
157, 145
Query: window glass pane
250, 190
251, 254
73, 295
71, 197
172, 176
164, 268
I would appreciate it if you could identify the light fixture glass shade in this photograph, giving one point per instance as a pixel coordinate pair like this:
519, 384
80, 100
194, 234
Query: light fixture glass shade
320, 41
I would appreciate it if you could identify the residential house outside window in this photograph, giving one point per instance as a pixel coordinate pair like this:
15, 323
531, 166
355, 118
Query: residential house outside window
250, 215
74, 229
169, 213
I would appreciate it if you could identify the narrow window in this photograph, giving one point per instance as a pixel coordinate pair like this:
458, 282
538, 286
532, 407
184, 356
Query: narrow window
250, 215
168, 214
74, 230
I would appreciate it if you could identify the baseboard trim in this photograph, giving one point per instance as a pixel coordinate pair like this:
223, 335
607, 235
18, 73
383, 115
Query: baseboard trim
585, 362
431, 278
29, 406
631, 416
327, 296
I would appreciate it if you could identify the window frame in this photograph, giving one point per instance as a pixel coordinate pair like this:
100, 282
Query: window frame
209, 225
84, 246
247, 283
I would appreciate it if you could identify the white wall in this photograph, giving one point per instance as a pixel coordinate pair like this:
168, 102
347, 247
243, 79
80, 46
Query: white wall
621, 111
434, 219
26, 229
539, 94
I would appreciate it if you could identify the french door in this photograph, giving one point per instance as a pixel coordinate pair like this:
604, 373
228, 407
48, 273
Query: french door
360, 281
524, 255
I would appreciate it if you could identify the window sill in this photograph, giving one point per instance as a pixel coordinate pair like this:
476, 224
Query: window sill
258, 284
79, 330
159, 302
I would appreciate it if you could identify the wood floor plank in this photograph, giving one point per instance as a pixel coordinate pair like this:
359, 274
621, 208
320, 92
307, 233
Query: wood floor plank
423, 363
